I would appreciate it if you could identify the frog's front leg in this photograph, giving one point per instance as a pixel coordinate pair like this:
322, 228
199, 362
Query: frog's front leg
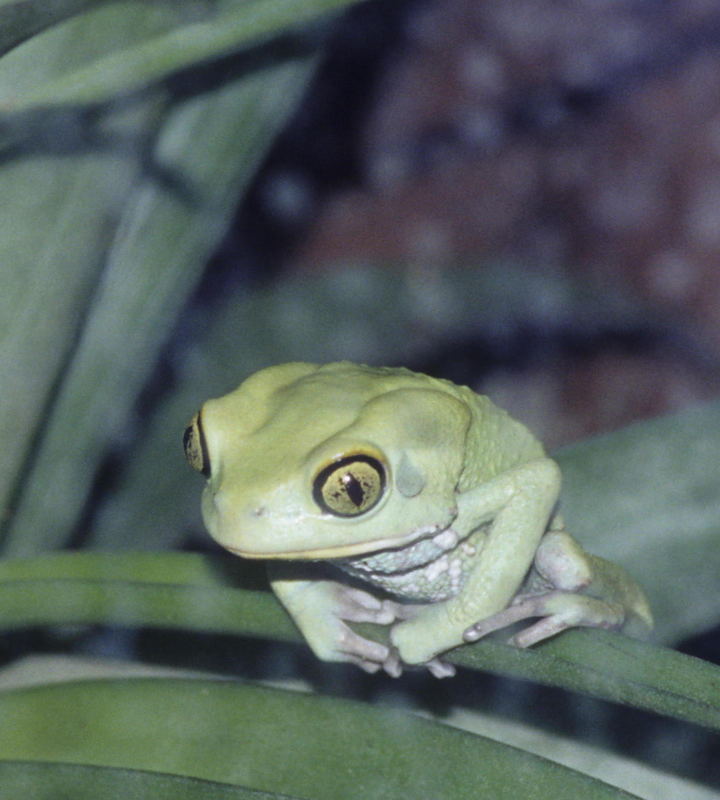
321, 608
567, 588
518, 505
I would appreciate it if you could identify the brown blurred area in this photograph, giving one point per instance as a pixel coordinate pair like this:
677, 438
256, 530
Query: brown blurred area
576, 135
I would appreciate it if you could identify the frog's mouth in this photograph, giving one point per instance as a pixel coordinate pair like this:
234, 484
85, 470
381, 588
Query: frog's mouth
348, 551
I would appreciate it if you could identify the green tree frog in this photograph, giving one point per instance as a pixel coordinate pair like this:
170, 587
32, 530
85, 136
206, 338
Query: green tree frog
387, 496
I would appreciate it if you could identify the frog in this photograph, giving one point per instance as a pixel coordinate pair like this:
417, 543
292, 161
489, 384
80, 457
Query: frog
382, 495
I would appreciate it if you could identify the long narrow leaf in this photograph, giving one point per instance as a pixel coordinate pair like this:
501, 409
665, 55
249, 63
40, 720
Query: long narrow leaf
58, 216
184, 591
612, 667
161, 246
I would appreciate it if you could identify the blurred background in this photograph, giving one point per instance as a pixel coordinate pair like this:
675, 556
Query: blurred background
578, 142
570, 149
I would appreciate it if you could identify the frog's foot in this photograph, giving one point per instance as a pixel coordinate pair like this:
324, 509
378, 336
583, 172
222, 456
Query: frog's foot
439, 669
558, 611
394, 666
355, 605
410, 642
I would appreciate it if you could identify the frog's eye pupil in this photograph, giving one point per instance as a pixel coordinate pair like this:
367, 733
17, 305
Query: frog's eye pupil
195, 446
354, 489
350, 486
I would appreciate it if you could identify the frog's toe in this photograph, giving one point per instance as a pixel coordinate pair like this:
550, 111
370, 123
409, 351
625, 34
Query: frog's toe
496, 622
440, 669
368, 655
560, 611
355, 605
392, 664
557, 610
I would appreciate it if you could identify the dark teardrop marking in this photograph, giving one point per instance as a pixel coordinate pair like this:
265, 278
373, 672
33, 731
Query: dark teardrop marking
354, 489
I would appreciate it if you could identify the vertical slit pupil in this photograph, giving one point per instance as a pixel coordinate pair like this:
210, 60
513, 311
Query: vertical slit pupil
354, 489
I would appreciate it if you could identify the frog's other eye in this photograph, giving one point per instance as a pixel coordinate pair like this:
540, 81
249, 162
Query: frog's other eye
195, 446
350, 486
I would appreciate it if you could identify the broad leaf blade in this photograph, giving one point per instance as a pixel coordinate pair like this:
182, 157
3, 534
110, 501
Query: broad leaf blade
162, 243
118, 269
648, 497
273, 740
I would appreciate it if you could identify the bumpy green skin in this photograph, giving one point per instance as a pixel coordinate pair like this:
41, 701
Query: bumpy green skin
465, 538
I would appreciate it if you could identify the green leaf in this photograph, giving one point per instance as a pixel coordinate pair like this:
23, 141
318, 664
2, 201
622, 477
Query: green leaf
138, 203
22, 19
52, 781
612, 667
59, 216
175, 590
648, 497
152, 264
184, 591
237, 25
273, 740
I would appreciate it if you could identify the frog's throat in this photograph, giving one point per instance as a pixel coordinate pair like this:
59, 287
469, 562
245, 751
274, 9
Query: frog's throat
347, 550
402, 560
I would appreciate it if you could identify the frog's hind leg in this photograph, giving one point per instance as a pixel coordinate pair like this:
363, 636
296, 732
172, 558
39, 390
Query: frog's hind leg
568, 588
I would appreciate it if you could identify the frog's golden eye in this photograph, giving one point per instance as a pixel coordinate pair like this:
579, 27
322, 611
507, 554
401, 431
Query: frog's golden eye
195, 446
350, 486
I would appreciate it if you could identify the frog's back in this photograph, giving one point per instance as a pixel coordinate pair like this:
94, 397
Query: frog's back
495, 441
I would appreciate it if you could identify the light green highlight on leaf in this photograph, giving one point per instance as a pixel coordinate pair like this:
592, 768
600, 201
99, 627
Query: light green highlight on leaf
241, 24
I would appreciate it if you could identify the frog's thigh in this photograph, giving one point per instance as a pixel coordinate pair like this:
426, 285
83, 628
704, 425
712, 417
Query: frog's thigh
519, 502
564, 565
577, 589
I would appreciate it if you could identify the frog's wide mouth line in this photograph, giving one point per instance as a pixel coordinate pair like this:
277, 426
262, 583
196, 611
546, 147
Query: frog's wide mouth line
339, 551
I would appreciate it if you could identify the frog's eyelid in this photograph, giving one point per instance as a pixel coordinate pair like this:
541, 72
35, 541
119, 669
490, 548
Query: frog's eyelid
203, 446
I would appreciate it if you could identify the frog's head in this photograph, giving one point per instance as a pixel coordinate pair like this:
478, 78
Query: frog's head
325, 462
